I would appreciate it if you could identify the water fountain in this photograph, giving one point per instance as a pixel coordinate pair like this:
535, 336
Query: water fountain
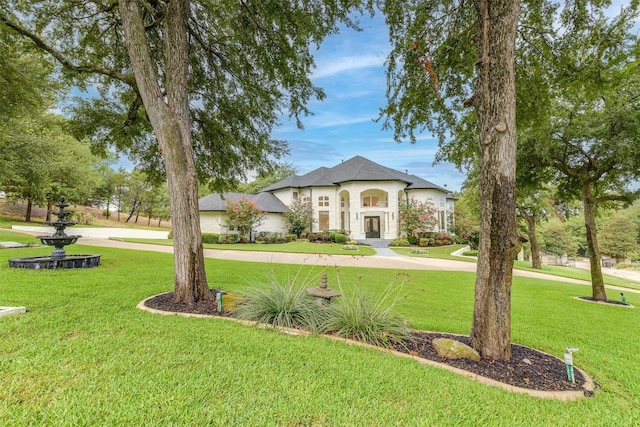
59, 257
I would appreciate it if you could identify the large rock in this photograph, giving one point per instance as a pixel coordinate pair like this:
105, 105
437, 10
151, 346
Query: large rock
452, 349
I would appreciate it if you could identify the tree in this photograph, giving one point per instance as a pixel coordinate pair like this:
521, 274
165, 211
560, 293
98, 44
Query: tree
45, 163
533, 207
618, 237
590, 134
243, 215
556, 241
416, 217
299, 217
212, 78
266, 178
431, 44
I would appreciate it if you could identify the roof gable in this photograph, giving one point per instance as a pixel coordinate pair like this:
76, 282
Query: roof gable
356, 168
217, 202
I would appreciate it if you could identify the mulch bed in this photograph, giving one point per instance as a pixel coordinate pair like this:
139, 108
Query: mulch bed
528, 368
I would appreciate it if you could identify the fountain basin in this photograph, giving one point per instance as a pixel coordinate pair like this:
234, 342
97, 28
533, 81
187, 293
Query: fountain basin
52, 262
58, 241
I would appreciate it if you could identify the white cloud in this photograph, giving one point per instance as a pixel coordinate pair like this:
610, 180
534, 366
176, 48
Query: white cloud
348, 63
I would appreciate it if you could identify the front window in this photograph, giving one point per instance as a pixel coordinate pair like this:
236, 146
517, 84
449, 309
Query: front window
323, 220
368, 201
323, 201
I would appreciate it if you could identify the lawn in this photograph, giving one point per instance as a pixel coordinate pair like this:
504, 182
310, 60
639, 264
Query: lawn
84, 355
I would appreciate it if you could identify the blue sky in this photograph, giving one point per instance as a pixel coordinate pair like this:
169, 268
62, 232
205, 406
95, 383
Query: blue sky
350, 68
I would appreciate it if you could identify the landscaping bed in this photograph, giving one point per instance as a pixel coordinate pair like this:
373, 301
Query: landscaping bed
528, 368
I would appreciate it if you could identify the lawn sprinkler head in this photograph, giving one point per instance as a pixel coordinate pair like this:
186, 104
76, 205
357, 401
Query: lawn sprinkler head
571, 349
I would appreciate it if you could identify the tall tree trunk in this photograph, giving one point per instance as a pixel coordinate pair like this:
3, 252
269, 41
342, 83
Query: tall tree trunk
597, 281
494, 100
536, 262
49, 209
171, 121
108, 211
27, 216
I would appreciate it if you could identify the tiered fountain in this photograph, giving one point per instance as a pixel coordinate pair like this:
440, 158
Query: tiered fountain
59, 257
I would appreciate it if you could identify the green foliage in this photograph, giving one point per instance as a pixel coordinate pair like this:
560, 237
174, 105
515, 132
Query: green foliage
210, 238
243, 215
401, 241
170, 235
83, 218
366, 317
340, 238
350, 247
290, 238
618, 237
424, 241
265, 178
415, 216
285, 305
299, 217
556, 241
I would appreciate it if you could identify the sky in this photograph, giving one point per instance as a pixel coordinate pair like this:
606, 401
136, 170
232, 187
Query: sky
350, 69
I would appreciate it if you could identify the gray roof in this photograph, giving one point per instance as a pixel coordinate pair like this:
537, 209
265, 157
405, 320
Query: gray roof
355, 169
267, 202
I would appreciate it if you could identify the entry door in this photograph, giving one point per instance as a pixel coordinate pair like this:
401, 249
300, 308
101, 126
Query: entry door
372, 227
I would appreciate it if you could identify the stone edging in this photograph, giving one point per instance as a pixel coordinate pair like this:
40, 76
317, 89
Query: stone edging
569, 395
604, 303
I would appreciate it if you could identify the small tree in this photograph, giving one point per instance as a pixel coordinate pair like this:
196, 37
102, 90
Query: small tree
618, 237
243, 215
415, 216
299, 217
557, 241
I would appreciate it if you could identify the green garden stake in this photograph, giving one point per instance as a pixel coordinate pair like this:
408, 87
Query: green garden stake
219, 298
624, 299
568, 360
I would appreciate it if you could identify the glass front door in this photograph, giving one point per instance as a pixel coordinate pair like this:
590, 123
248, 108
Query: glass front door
372, 227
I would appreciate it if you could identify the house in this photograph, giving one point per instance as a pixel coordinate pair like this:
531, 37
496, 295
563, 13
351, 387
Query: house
356, 195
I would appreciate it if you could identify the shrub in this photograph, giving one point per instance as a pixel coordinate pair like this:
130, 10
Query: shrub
228, 238
83, 218
424, 242
413, 240
340, 238
350, 248
303, 235
351, 242
470, 253
438, 242
399, 242
332, 236
419, 251
311, 237
290, 238
170, 236
367, 319
210, 238
322, 237
282, 306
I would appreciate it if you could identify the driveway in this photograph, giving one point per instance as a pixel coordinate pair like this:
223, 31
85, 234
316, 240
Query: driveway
377, 261
95, 232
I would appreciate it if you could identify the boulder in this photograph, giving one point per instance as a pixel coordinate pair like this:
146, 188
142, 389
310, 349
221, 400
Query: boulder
452, 349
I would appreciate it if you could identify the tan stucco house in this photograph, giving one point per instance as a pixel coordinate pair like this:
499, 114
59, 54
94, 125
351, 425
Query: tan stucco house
357, 195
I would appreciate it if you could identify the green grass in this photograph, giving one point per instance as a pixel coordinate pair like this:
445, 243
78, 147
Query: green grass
299, 247
84, 355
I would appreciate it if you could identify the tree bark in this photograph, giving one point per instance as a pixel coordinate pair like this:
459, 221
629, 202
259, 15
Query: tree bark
597, 281
495, 105
27, 216
170, 118
49, 209
536, 262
